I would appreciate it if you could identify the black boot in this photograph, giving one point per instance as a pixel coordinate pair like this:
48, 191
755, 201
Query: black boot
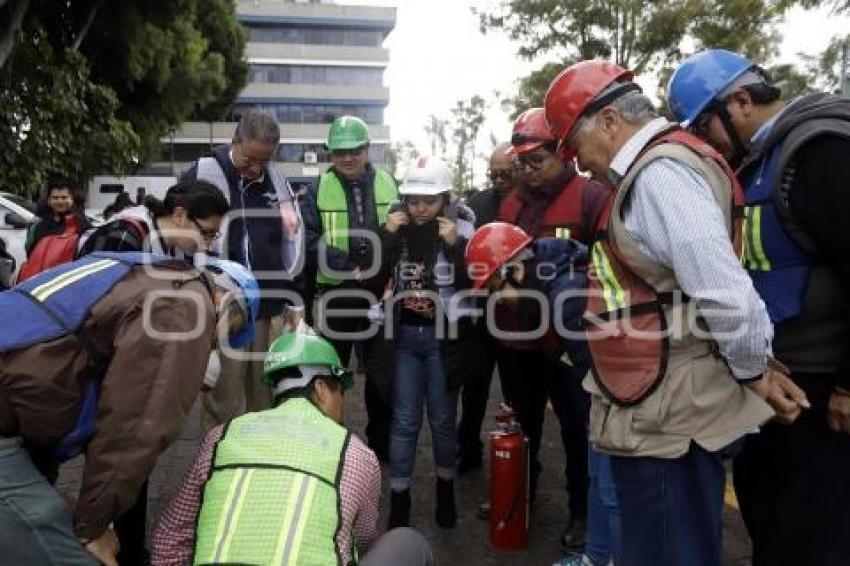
446, 510
399, 509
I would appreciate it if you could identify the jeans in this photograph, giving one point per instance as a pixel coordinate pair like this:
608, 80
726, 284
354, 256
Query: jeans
603, 515
35, 522
420, 378
671, 510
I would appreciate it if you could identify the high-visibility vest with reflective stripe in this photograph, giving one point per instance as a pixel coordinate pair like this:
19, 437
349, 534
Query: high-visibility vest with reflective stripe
273, 493
563, 216
333, 209
779, 267
629, 365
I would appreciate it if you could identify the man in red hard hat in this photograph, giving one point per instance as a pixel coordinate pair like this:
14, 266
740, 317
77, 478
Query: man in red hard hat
550, 201
679, 340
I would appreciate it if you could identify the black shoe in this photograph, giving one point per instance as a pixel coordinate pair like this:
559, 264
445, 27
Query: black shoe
483, 511
469, 461
573, 536
399, 509
446, 510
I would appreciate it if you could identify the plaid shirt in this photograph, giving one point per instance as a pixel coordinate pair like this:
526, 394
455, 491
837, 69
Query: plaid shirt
359, 491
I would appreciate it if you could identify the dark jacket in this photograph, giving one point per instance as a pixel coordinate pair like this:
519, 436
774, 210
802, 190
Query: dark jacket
147, 391
265, 235
485, 204
360, 252
456, 353
815, 133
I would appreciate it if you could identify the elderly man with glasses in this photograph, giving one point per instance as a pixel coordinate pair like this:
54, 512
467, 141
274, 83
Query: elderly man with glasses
264, 233
503, 177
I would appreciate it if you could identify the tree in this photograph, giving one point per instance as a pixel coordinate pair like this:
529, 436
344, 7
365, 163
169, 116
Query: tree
400, 154
467, 118
159, 62
436, 130
56, 122
643, 35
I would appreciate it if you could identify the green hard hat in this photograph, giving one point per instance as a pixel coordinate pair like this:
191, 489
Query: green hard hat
347, 132
311, 354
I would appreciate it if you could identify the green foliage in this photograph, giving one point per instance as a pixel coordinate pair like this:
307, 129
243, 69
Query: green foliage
172, 60
54, 121
643, 35
112, 78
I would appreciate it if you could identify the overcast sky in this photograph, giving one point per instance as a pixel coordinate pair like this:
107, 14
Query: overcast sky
438, 56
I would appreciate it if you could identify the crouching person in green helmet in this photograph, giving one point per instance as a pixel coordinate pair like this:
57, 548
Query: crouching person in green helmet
289, 485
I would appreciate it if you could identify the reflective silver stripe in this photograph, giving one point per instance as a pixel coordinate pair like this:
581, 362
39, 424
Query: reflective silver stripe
231, 513
294, 524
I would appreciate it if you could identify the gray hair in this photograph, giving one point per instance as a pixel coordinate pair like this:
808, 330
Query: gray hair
257, 126
634, 106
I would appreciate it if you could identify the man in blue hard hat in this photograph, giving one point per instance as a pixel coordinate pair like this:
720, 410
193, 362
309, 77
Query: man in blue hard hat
792, 160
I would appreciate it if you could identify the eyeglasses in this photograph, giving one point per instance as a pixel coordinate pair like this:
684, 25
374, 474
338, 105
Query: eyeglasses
247, 160
496, 174
533, 160
206, 233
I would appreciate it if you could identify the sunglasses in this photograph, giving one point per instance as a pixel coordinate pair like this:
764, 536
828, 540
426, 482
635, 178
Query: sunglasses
496, 174
206, 233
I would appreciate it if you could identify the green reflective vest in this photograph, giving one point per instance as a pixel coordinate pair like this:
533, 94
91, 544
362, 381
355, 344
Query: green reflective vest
333, 208
273, 493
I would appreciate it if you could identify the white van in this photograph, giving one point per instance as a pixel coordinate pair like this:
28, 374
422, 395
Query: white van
14, 222
104, 189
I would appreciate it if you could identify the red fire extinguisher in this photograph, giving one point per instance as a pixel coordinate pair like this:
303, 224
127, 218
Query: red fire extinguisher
508, 483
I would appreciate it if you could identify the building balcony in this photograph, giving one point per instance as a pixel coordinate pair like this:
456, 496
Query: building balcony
222, 132
303, 54
315, 14
316, 94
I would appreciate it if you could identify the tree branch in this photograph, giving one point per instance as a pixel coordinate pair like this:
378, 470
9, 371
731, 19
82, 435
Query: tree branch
86, 26
9, 37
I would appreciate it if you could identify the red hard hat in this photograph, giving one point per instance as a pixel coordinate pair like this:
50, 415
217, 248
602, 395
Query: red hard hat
490, 247
571, 92
530, 132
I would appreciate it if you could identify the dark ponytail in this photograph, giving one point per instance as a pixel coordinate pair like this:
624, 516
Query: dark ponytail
200, 199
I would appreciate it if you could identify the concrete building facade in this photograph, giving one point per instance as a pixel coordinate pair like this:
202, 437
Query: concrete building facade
310, 62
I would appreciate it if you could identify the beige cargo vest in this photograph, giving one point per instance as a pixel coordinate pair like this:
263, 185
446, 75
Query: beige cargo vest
698, 399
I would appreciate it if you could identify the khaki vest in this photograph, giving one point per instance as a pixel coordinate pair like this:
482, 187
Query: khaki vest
697, 399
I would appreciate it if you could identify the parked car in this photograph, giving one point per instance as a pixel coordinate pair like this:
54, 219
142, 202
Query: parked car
14, 222
21, 201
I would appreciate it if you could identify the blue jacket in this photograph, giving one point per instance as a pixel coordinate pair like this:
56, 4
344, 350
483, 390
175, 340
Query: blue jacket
561, 272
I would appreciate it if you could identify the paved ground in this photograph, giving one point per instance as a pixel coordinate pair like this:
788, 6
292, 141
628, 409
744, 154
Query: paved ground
468, 543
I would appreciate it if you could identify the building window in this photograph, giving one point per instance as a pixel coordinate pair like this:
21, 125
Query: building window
283, 33
294, 152
294, 113
316, 75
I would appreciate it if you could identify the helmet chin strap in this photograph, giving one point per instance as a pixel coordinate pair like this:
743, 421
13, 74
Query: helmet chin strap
740, 150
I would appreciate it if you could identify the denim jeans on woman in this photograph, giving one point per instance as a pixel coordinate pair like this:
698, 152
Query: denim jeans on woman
420, 379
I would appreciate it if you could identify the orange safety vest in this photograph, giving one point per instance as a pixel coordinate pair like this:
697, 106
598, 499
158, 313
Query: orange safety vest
563, 216
626, 365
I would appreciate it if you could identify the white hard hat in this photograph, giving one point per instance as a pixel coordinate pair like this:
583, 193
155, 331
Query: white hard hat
427, 176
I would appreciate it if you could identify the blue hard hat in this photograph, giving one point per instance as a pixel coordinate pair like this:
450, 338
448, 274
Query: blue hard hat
700, 79
250, 291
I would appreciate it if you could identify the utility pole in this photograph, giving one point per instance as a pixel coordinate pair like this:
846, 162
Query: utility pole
845, 60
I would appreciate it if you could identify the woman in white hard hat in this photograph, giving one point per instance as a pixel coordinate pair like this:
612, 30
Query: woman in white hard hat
423, 244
